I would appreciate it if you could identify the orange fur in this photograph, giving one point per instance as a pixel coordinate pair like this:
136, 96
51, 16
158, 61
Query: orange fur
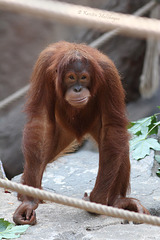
53, 124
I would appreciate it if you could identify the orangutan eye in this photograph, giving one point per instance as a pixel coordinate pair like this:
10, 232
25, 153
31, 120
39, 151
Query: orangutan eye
71, 77
83, 77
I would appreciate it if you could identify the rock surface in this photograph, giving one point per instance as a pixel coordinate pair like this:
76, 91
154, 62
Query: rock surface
72, 175
23, 37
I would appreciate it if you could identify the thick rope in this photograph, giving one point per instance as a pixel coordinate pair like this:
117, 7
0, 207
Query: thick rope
2, 173
149, 80
103, 20
97, 43
77, 203
15, 96
109, 35
85, 16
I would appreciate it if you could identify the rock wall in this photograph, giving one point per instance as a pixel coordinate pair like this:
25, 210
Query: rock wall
22, 37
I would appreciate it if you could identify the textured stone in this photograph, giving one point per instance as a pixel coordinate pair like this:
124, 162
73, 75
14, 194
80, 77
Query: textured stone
72, 175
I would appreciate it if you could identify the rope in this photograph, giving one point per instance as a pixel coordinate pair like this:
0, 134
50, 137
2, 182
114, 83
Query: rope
77, 203
149, 80
85, 16
2, 173
15, 96
97, 43
103, 20
109, 35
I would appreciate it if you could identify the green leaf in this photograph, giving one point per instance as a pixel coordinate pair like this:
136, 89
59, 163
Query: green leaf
3, 224
154, 144
142, 148
158, 173
158, 107
131, 124
141, 126
157, 158
9, 230
134, 142
153, 126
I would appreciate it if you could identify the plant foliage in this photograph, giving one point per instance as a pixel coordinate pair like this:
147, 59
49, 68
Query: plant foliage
142, 142
9, 230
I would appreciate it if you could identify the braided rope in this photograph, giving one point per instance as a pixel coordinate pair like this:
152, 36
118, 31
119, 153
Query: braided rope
97, 43
77, 203
15, 96
109, 35
85, 16
146, 8
103, 20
